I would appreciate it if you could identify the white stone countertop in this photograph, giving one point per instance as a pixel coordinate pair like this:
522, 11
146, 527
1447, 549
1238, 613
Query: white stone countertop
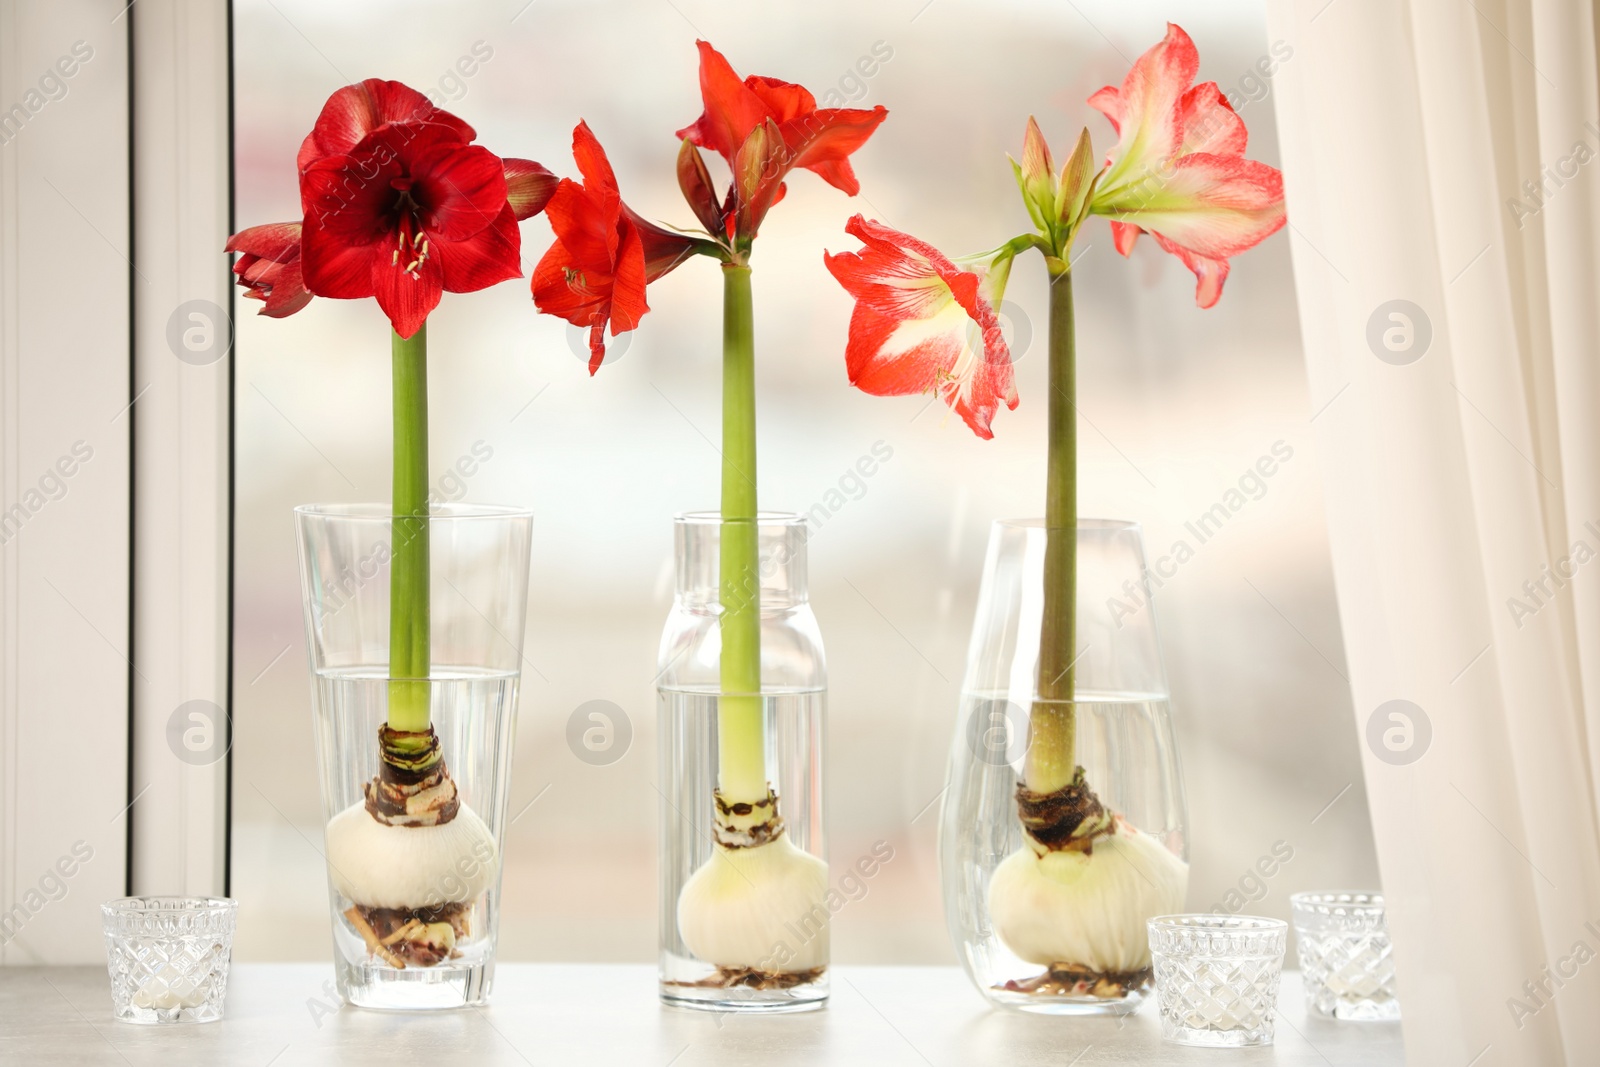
594, 1015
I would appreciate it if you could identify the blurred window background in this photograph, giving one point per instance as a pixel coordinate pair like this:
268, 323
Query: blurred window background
1180, 410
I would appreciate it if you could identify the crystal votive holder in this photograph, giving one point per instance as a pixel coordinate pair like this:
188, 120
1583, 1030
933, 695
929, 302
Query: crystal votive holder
1217, 977
168, 957
1346, 957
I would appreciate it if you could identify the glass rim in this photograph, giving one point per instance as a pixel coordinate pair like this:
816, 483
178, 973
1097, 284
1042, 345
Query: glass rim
778, 519
155, 902
446, 512
1117, 525
1212, 923
1338, 902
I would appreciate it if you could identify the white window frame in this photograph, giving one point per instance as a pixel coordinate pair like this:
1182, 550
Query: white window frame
182, 535
115, 203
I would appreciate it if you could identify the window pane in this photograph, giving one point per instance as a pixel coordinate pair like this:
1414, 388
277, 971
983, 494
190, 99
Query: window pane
1178, 406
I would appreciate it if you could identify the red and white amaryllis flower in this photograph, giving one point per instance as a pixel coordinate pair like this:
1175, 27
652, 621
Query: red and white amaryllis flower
398, 204
921, 324
604, 253
1178, 171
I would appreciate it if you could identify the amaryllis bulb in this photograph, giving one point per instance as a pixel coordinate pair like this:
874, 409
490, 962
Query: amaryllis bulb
760, 908
377, 865
1087, 909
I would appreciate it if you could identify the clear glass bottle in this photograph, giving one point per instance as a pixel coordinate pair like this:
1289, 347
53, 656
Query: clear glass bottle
744, 903
1063, 931
415, 909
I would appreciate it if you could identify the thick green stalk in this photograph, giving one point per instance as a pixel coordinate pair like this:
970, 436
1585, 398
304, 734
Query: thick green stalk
741, 744
408, 566
1051, 758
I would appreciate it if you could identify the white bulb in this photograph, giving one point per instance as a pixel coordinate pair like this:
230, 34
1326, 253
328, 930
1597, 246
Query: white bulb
409, 867
1087, 909
761, 908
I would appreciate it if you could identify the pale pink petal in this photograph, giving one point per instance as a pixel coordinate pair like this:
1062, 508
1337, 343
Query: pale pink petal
1108, 101
1210, 124
1123, 235
1151, 129
1217, 206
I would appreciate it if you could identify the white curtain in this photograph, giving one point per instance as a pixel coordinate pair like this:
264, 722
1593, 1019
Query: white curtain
1447, 153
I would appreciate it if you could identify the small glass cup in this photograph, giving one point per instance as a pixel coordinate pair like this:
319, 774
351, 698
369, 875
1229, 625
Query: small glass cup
1346, 957
168, 957
1217, 977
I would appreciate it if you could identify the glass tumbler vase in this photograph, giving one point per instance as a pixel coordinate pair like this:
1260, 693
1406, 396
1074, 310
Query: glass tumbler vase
168, 957
415, 898
1052, 918
745, 910
1346, 957
1217, 978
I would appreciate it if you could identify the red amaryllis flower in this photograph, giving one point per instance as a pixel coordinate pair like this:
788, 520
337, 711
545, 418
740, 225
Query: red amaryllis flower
268, 267
355, 111
1178, 170
603, 254
398, 205
764, 128
916, 319
409, 212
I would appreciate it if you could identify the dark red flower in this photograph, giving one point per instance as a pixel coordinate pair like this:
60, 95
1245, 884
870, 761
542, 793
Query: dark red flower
409, 212
269, 267
603, 255
764, 128
398, 205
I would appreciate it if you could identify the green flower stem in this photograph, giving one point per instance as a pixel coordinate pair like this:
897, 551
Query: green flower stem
408, 566
741, 745
1051, 758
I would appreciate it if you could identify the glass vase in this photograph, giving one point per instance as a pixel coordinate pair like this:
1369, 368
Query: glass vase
744, 880
414, 871
1056, 923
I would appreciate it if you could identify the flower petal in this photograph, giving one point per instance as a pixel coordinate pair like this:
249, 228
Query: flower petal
1123, 234
491, 255
627, 292
461, 188
784, 100
822, 141
586, 229
1151, 128
277, 241
355, 111
1209, 273
529, 187
732, 107
1210, 124
407, 297
1217, 206
1108, 101
564, 289
333, 265
599, 181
